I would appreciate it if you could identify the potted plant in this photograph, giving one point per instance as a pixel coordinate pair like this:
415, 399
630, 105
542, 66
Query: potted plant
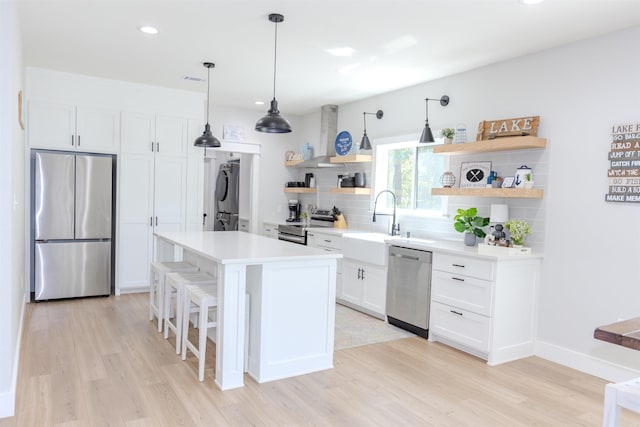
467, 221
447, 134
528, 181
518, 229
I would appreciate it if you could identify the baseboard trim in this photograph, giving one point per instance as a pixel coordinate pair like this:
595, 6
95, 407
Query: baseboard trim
8, 399
584, 363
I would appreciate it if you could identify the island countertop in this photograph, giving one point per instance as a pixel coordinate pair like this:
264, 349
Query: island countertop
239, 247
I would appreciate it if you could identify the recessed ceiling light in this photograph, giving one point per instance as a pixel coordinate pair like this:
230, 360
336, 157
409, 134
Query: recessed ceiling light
531, 1
342, 51
259, 102
148, 30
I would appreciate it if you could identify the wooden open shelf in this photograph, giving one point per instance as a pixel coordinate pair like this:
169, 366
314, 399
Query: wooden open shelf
290, 163
498, 144
300, 190
351, 190
523, 193
351, 158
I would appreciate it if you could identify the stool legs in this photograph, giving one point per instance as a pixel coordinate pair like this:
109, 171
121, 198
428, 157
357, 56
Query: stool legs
176, 325
617, 396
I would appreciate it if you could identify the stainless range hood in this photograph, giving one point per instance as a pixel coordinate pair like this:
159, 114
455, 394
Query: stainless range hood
328, 132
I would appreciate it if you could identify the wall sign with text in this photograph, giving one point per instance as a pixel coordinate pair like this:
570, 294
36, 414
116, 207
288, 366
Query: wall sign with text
624, 164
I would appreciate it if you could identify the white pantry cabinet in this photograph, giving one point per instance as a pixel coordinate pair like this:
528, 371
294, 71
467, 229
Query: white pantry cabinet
483, 306
152, 195
62, 126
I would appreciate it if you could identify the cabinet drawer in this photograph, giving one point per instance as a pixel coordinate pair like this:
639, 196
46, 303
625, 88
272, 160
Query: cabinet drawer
462, 291
322, 240
474, 267
461, 326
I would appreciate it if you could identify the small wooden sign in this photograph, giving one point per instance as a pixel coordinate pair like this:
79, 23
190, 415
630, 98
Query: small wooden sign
520, 126
623, 175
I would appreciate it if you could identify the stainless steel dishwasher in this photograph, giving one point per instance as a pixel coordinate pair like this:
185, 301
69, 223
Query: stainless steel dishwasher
409, 289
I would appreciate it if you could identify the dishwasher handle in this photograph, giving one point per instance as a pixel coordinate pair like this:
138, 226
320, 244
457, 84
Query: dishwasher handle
413, 258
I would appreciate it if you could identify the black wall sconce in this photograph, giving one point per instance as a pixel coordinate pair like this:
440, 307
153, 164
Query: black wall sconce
365, 144
427, 135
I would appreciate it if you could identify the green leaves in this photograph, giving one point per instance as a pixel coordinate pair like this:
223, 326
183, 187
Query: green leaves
467, 221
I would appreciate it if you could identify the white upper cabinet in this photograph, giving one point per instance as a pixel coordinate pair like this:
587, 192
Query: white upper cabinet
73, 128
144, 133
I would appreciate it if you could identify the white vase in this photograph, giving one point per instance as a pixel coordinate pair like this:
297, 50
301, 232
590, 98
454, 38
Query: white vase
528, 184
448, 140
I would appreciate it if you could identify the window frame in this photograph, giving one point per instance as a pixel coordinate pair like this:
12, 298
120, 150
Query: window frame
379, 175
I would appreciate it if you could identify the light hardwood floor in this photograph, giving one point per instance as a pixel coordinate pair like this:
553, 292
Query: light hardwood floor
99, 362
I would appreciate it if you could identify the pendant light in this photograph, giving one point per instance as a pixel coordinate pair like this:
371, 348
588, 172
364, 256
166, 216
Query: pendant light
273, 122
427, 135
207, 139
365, 144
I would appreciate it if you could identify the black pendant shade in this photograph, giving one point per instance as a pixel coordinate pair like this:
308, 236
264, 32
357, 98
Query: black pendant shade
427, 135
207, 140
365, 144
273, 122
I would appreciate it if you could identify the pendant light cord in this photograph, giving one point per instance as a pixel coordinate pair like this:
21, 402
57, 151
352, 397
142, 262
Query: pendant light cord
208, 90
426, 111
275, 60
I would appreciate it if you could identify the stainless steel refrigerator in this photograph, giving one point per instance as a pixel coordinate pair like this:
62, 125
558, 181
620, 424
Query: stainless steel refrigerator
72, 232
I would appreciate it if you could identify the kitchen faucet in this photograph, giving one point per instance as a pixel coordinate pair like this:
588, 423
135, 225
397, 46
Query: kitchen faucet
395, 228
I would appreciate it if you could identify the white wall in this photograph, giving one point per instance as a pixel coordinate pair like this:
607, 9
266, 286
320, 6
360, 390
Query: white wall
12, 245
591, 272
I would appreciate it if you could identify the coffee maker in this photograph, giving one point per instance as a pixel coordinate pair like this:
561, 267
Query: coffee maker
294, 211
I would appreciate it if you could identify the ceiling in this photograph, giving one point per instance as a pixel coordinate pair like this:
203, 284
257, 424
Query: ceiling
397, 43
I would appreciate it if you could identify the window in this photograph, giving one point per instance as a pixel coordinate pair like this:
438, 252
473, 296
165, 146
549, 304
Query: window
410, 170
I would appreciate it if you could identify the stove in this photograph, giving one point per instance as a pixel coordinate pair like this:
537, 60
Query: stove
297, 233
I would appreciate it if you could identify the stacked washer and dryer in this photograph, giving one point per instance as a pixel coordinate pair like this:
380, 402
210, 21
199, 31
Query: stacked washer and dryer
227, 196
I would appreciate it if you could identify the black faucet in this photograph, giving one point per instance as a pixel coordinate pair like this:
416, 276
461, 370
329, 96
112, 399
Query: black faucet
395, 228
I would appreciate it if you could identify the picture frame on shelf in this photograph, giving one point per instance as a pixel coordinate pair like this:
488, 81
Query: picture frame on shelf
508, 182
474, 174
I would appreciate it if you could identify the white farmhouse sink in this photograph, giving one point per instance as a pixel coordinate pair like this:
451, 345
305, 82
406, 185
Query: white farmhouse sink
366, 247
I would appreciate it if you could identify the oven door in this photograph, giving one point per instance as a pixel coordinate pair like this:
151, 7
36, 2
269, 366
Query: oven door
301, 240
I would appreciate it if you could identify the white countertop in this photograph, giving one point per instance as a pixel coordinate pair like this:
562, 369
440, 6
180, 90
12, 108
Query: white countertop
454, 247
239, 247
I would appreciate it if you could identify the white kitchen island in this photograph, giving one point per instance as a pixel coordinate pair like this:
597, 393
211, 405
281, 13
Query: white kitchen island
292, 292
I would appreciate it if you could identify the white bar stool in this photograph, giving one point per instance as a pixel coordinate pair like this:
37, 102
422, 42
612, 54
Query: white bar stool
617, 396
157, 273
199, 299
175, 290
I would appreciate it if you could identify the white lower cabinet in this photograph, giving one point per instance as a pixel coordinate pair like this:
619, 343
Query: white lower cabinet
270, 229
364, 287
485, 307
328, 242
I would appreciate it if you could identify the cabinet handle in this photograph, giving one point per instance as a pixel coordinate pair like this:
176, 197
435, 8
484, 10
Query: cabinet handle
458, 279
157, 147
72, 140
78, 140
150, 221
458, 265
152, 146
456, 312
359, 270
363, 274
327, 240
156, 221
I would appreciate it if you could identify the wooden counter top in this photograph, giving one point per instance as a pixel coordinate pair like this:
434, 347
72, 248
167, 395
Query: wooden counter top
625, 333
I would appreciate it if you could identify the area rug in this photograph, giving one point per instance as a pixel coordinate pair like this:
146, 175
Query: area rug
354, 329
